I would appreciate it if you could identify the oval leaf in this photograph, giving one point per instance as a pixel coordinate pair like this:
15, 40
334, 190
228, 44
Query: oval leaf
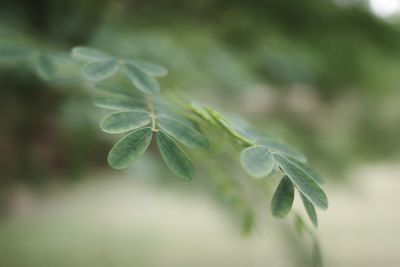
175, 158
257, 161
313, 174
129, 148
182, 132
303, 181
312, 214
149, 67
125, 121
282, 200
111, 88
100, 70
89, 54
119, 103
275, 145
142, 80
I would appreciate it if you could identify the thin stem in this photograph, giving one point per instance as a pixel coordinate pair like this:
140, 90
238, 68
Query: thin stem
150, 108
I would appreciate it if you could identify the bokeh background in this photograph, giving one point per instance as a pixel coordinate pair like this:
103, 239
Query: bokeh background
322, 74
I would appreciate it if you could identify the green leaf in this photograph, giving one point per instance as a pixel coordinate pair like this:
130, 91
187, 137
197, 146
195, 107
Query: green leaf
268, 141
119, 103
170, 115
202, 112
161, 107
281, 148
275, 171
282, 200
89, 54
45, 67
125, 121
257, 161
312, 214
130, 148
225, 124
142, 80
303, 181
116, 90
313, 174
150, 68
175, 158
182, 132
100, 70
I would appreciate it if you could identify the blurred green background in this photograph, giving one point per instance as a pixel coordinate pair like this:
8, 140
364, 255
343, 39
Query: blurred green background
321, 74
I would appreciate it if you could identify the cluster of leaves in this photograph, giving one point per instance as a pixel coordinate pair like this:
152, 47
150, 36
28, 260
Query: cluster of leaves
101, 65
143, 113
264, 156
44, 63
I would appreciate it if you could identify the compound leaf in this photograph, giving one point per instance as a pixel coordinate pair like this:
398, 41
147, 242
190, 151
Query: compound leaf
111, 88
149, 67
121, 122
89, 54
130, 148
303, 181
282, 199
142, 80
100, 70
119, 103
257, 161
174, 157
182, 132
313, 174
281, 148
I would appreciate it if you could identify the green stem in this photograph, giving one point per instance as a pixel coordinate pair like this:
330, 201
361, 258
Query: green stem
150, 108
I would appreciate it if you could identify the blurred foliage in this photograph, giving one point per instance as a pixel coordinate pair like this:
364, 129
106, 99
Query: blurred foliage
321, 75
